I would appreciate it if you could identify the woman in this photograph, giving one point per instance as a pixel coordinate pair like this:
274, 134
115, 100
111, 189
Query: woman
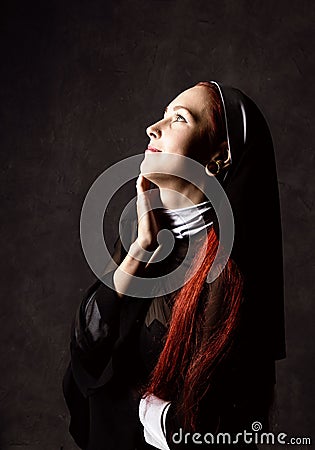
201, 357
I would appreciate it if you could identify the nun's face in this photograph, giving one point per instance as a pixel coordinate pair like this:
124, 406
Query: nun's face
184, 130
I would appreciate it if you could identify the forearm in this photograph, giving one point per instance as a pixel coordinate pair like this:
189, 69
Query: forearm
134, 264
98, 315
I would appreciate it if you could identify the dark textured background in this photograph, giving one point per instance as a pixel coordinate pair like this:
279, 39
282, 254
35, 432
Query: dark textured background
80, 81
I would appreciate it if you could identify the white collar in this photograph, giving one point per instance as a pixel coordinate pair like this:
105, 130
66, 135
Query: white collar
190, 220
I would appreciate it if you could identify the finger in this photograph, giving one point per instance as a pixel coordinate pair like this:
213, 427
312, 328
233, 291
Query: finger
143, 184
143, 204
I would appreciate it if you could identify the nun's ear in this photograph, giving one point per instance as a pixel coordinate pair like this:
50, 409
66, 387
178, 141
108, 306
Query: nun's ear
224, 154
221, 155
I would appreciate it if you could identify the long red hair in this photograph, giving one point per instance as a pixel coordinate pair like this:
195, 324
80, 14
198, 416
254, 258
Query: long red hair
195, 349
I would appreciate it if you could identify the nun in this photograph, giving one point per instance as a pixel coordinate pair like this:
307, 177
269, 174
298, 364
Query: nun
188, 364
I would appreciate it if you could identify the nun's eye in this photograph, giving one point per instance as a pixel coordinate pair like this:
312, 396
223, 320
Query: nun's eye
182, 119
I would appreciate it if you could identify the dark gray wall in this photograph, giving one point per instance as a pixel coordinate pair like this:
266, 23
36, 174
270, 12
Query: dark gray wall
80, 82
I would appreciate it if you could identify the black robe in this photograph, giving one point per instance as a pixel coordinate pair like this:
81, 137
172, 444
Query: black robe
112, 353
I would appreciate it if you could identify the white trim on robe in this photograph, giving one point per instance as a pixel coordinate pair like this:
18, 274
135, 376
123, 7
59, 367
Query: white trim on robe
152, 414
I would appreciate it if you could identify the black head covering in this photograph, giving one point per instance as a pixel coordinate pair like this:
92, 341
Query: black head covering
252, 189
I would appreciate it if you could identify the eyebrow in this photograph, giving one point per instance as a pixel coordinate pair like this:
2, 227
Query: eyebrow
180, 107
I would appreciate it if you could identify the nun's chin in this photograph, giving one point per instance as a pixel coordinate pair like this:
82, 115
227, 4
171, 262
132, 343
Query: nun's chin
159, 179
153, 171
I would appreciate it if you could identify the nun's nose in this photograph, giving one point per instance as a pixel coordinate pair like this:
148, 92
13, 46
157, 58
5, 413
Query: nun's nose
153, 131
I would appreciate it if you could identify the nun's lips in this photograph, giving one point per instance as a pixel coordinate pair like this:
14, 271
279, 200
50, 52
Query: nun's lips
152, 149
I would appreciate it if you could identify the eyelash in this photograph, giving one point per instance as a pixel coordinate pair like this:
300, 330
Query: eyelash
178, 115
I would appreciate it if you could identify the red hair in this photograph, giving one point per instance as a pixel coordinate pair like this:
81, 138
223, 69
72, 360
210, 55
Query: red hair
216, 120
195, 347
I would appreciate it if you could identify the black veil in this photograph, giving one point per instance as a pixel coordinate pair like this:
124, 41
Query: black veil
252, 188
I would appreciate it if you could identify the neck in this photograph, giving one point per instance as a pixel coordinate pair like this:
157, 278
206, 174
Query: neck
172, 199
